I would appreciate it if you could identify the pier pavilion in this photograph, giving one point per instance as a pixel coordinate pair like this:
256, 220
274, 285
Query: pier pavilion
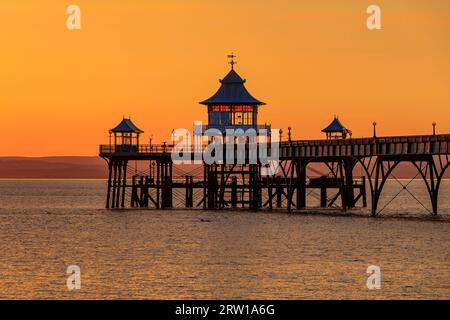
232, 106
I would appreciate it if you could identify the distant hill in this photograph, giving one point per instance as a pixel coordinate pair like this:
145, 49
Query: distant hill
53, 168
95, 168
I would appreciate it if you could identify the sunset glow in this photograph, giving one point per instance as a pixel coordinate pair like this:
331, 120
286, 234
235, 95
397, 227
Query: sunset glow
61, 90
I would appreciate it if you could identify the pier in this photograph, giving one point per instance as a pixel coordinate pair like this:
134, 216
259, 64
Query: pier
165, 184
220, 188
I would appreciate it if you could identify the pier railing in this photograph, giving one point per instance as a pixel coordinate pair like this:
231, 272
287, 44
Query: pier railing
147, 149
143, 148
358, 147
363, 147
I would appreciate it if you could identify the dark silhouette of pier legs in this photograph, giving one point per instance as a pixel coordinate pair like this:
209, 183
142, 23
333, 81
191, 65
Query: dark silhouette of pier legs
134, 197
270, 192
189, 194
166, 185
114, 185
431, 172
255, 186
205, 183
279, 192
323, 196
211, 186
108, 194
362, 193
349, 165
301, 183
234, 192
124, 182
158, 185
432, 187
342, 186
140, 186
222, 187
119, 181
231, 186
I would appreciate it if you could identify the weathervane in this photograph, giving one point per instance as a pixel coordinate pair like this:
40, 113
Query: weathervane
232, 62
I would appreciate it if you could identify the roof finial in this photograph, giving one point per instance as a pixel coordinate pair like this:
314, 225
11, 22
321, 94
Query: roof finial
232, 62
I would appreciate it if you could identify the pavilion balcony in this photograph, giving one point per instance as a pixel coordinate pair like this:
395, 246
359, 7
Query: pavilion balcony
223, 128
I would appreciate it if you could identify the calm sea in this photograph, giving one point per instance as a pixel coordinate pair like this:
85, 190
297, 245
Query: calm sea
45, 226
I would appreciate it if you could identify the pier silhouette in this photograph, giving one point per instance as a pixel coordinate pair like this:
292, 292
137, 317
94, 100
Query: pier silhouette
223, 185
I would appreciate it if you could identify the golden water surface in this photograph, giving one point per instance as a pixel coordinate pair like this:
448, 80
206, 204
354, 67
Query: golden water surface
45, 226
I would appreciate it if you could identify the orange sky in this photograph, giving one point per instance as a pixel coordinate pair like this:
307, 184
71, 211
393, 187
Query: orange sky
61, 90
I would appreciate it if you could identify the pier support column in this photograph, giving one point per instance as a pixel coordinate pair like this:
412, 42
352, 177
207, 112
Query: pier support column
166, 179
108, 194
349, 164
221, 190
259, 187
234, 192
270, 191
254, 186
158, 185
323, 195
145, 187
342, 186
119, 182
363, 192
169, 189
163, 184
114, 184
133, 192
189, 196
205, 184
301, 184
212, 182
141, 192
124, 182
374, 195
432, 186
279, 191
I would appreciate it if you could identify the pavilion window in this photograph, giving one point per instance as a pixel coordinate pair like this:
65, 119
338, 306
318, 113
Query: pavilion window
127, 139
243, 118
248, 118
219, 115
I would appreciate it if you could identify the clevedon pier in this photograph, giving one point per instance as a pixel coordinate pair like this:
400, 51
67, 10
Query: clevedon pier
146, 175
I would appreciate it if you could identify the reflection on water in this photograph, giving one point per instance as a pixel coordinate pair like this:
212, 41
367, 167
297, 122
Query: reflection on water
46, 226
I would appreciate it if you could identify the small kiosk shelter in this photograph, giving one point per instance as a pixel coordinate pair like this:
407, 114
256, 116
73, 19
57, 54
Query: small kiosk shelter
336, 130
126, 136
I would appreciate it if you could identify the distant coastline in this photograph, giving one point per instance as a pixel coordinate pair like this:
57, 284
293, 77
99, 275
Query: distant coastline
90, 167
70, 167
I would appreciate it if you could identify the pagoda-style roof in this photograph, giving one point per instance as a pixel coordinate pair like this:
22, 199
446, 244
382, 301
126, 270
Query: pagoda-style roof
335, 126
126, 126
232, 91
